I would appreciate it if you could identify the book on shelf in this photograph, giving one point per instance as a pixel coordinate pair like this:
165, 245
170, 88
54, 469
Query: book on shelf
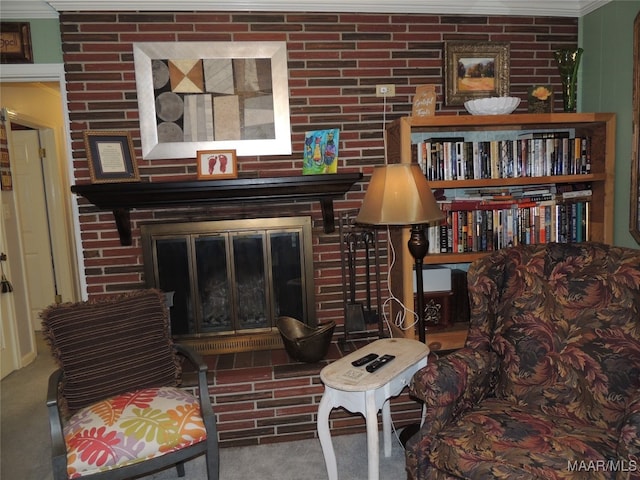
529, 155
479, 225
577, 193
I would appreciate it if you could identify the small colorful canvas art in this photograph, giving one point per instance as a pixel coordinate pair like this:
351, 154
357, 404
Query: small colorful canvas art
321, 152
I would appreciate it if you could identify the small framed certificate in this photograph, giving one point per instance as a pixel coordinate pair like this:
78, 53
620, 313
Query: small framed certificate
110, 157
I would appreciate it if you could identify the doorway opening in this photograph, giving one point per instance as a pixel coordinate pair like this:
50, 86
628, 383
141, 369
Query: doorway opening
35, 111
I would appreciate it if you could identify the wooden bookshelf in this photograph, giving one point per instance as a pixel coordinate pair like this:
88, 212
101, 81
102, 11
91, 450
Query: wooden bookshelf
404, 133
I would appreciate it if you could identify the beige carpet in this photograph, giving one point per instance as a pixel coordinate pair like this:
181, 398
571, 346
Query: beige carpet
25, 443
295, 461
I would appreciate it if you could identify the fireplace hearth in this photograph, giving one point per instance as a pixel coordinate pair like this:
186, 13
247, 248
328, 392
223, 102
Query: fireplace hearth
232, 279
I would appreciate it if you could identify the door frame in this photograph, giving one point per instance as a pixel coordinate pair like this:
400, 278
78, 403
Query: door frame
54, 72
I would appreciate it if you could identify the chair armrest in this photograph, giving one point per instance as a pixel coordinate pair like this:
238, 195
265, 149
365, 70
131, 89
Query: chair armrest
448, 386
194, 358
58, 447
453, 384
203, 388
629, 440
197, 361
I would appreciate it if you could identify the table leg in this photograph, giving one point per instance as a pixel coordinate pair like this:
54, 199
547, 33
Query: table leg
386, 427
371, 417
324, 435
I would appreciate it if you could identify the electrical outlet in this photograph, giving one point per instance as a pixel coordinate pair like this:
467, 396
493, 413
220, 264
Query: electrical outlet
386, 90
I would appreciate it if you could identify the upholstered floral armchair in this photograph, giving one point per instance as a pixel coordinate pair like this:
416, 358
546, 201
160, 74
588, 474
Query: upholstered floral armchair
548, 383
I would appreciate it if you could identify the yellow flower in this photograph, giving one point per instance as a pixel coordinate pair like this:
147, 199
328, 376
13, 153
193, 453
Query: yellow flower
541, 93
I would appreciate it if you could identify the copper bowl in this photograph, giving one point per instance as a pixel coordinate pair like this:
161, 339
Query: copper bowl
304, 343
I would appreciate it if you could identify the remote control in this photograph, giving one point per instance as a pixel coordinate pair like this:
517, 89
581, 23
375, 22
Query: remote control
364, 360
379, 363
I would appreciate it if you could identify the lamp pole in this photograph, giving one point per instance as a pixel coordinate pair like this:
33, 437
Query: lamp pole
419, 247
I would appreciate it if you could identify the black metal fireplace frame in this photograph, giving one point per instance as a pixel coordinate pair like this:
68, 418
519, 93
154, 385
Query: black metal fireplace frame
234, 341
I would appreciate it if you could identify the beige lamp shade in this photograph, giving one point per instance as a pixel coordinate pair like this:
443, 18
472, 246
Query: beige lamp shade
399, 194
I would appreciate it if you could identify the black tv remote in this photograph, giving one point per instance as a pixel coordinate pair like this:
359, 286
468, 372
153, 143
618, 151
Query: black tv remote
364, 360
379, 363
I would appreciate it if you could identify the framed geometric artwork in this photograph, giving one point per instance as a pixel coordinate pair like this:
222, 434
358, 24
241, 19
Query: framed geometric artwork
212, 96
475, 70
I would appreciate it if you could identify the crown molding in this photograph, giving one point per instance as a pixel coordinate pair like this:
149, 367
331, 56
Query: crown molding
32, 72
26, 9
21, 9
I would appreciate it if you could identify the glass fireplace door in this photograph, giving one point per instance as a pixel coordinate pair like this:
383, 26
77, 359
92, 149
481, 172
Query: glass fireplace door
289, 283
214, 305
173, 275
232, 277
251, 282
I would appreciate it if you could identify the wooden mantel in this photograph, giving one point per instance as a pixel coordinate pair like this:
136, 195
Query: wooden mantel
120, 198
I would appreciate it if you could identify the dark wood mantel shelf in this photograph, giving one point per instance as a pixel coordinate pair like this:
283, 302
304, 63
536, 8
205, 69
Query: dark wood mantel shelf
122, 197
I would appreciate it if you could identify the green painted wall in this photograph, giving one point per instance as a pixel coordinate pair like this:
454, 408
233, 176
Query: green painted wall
45, 39
607, 78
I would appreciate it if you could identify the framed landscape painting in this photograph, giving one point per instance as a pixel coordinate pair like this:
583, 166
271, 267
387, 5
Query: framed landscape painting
475, 70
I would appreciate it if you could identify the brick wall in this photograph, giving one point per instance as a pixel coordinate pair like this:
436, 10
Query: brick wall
262, 397
335, 60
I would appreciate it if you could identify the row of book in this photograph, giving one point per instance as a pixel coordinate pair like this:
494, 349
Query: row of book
487, 225
530, 155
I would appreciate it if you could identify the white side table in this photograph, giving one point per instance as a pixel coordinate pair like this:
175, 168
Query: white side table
359, 391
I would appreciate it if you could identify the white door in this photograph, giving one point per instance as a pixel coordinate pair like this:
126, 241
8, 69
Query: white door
8, 338
8, 354
31, 204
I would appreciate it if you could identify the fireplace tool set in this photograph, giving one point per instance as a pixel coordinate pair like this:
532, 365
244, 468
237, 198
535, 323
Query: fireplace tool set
360, 278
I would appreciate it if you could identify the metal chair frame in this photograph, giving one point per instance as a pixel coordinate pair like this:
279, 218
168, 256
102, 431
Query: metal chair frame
209, 446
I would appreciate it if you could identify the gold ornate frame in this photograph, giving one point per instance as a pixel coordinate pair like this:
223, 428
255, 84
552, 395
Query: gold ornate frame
462, 57
634, 211
111, 157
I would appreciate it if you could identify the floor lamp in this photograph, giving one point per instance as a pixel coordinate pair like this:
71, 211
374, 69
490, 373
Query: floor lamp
399, 195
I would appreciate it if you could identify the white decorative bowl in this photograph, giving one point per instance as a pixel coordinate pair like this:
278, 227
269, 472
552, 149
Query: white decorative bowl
492, 105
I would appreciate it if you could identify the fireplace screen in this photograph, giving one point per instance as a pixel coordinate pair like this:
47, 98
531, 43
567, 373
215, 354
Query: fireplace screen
232, 277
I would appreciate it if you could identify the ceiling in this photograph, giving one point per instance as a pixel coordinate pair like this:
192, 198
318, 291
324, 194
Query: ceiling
22, 9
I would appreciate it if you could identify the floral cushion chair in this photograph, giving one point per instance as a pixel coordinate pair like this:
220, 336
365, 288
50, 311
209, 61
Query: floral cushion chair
548, 383
116, 409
